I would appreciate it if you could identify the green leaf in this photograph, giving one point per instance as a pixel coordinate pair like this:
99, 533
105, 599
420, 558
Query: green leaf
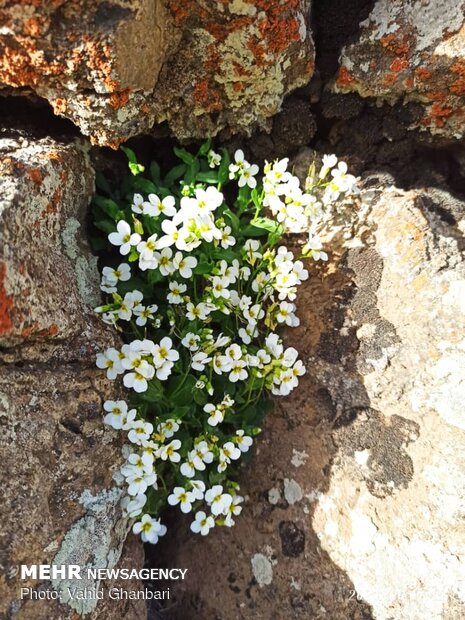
184, 155
108, 206
266, 224
154, 392
202, 268
105, 225
182, 394
192, 171
134, 167
211, 176
205, 148
101, 182
155, 172
200, 397
175, 173
144, 185
223, 170
233, 220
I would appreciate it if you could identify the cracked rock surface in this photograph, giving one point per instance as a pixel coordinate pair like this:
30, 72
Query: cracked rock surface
354, 508
59, 502
411, 51
206, 65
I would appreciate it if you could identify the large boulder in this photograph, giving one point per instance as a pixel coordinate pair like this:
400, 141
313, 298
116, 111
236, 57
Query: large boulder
59, 503
412, 51
117, 68
353, 507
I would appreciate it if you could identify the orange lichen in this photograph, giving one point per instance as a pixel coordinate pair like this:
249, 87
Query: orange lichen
398, 65
59, 105
440, 110
6, 304
344, 77
207, 98
52, 330
36, 175
458, 86
120, 99
422, 73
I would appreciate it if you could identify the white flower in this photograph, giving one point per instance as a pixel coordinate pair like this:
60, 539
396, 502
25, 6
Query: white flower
144, 313
170, 451
184, 264
199, 360
168, 428
154, 206
112, 276
138, 204
136, 380
219, 287
201, 454
139, 482
191, 341
176, 291
123, 237
342, 181
234, 509
314, 248
238, 372
150, 529
217, 500
110, 359
182, 497
298, 369
194, 312
206, 200
214, 159
202, 524
254, 313
227, 239
187, 469
242, 169
247, 333
329, 161
130, 300
221, 363
165, 264
140, 430
133, 505
198, 488
117, 411
243, 441
216, 414
251, 248
229, 452
286, 314
164, 352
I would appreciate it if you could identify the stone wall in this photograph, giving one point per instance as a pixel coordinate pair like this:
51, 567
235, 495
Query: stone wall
353, 504
117, 68
59, 502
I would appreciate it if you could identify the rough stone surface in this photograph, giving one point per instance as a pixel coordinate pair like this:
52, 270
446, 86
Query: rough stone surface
354, 509
59, 502
412, 51
116, 68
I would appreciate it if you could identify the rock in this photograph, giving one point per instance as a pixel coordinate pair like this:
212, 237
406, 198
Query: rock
59, 502
411, 51
353, 508
203, 67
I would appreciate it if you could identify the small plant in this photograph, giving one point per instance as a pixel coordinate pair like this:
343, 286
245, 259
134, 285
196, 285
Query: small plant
198, 285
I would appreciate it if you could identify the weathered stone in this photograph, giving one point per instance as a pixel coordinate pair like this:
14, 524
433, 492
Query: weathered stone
412, 51
60, 504
353, 508
116, 68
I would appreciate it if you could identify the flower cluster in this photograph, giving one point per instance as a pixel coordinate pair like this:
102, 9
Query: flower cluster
197, 285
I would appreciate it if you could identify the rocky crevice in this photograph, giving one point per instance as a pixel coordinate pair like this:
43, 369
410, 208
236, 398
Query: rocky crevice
352, 507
